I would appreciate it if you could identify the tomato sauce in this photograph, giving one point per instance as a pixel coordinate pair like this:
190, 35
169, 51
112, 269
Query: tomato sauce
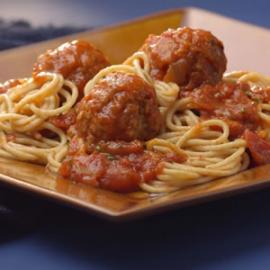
234, 103
64, 121
237, 104
116, 166
259, 148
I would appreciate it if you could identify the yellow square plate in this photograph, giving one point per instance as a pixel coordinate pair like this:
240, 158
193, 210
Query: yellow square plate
246, 46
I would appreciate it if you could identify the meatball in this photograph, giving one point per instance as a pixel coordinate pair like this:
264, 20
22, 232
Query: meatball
120, 107
186, 56
78, 61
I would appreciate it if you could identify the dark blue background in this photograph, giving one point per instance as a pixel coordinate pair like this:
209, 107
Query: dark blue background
226, 234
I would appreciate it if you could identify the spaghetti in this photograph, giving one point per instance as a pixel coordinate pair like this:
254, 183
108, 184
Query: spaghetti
24, 113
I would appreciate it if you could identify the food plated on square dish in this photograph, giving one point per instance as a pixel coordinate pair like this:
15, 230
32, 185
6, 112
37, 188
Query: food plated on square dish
167, 118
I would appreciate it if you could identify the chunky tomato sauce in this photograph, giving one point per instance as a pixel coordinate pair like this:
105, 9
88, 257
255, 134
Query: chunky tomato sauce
64, 121
258, 147
117, 166
237, 104
234, 103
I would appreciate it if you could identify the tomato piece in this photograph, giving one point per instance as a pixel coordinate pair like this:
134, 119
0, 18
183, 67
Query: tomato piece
258, 147
64, 121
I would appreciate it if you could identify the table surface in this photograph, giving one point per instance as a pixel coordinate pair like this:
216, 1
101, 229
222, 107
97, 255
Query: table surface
231, 233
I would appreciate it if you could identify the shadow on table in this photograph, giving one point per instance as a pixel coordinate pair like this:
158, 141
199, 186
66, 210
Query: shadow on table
187, 238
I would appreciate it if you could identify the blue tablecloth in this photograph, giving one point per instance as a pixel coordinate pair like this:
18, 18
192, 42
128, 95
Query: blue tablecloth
226, 234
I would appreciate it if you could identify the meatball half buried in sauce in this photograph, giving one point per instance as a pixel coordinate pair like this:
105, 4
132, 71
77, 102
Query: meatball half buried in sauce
107, 145
78, 61
188, 57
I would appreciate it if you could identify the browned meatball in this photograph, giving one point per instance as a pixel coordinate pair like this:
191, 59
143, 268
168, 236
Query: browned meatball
186, 56
77, 61
120, 107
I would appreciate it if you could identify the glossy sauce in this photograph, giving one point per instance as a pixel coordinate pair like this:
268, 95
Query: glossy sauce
259, 148
237, 104
234, 103
64, 121
116, 166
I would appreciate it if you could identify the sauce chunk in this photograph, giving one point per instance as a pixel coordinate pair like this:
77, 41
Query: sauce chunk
258, 147
9, 84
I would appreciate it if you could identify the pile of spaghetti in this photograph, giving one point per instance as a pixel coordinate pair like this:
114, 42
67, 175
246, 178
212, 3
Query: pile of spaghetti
24, 126
167, 118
